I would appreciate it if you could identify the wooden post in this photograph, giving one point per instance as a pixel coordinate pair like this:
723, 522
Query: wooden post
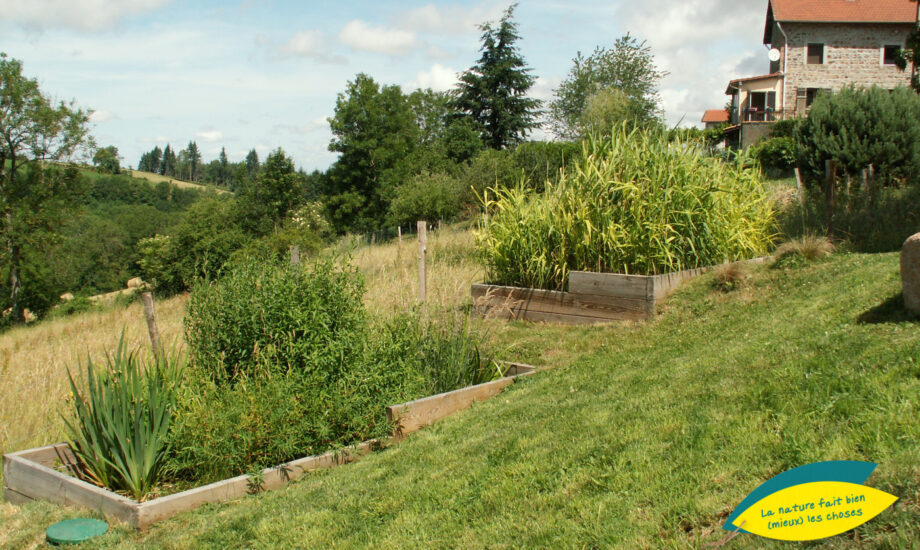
295, 255
798, 185
422, 252
870, 183
151, 316
399, 232
830, 185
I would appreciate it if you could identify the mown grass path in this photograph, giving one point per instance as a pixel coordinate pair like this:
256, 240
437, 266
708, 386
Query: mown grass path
643, 436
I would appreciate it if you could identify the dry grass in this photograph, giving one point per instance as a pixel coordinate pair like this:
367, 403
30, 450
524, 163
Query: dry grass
391, 271
804, 249
34, 362
157, 178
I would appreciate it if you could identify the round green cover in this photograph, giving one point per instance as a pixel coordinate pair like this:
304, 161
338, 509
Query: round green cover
75, 531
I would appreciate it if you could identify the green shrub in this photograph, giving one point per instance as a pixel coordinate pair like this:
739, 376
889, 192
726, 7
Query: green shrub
286, 364
632, 204
119, 431
430, 197
776, 154
297, 318
857, 127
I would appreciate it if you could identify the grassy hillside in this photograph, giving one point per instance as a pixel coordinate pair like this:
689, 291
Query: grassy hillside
643, 436
157, 178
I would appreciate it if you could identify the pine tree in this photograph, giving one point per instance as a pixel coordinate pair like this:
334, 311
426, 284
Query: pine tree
493, 93
194, 160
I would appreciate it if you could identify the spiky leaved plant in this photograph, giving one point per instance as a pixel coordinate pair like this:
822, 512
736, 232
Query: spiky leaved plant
121, 419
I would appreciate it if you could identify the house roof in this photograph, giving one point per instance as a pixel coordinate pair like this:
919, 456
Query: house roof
839, 11
715, 115
734, 83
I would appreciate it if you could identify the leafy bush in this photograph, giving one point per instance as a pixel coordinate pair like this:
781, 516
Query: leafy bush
776, 154
857, 127
302, 319
427, 197
632, 204
119, 432
286, 364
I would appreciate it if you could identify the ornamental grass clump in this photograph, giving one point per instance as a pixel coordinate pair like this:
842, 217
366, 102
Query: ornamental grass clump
633, 203
119, 430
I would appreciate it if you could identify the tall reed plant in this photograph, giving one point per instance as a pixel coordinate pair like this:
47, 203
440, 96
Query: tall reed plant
119, 430
633, 203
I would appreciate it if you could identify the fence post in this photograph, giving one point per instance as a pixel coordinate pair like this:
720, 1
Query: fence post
422, 251
830, 185
798, 185
151, 316
295, 255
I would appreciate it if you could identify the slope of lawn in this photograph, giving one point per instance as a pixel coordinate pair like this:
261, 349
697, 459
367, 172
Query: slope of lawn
643, 436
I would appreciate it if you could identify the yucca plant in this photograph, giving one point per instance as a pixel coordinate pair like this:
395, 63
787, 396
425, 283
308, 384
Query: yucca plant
633, 203
121, 420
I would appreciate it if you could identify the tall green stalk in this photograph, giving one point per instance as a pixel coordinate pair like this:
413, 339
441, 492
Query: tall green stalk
634, 203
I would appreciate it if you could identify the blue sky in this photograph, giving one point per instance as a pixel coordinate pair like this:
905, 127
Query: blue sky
266, 74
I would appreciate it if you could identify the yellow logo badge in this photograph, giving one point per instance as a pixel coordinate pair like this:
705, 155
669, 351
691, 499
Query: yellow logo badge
811, 502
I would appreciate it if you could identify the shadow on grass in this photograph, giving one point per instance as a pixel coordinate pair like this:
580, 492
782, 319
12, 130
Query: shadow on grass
891, 310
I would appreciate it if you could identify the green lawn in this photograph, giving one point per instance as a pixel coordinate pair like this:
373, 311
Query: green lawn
643, 436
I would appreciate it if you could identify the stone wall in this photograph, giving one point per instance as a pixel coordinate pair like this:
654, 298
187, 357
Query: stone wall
852, 55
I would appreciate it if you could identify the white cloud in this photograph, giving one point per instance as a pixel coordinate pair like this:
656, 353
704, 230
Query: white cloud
83, 15
438, 77
210, 135
306, 43
453, 19
102, 116
362, 37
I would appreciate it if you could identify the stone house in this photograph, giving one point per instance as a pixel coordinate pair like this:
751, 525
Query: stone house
819, 46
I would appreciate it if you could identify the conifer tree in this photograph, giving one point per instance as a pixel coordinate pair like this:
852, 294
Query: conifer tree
493, 93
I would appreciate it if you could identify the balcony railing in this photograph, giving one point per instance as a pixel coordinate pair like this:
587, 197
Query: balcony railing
754, 114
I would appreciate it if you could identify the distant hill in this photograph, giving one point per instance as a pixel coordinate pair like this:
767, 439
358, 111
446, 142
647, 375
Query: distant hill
157, 178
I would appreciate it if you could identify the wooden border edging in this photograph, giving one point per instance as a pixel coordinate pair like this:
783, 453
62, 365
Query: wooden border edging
592, 297
30, 475
415, 415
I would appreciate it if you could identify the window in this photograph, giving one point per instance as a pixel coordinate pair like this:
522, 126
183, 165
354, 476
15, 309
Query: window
760, 107
808, 95
815, 54
890, 54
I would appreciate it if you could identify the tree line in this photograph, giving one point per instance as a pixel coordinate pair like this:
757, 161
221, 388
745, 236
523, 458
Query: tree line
402, 157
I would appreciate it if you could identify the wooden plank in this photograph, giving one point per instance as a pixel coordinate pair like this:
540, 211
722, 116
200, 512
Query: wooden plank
15, 497
519, 302
608, 284
231, 489
47, 456
39, 482
518, 369
164, 507
663, 285
414, 415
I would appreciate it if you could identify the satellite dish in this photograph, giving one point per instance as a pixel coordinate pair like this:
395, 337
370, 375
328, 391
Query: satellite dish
774, 54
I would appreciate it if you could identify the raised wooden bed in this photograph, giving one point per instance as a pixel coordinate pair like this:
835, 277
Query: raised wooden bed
592, 298
31, 474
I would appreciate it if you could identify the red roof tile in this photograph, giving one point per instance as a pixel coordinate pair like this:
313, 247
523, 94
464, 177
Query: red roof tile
715, 115
839, 11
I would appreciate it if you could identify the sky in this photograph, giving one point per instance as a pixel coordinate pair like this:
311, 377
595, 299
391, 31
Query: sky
246, 74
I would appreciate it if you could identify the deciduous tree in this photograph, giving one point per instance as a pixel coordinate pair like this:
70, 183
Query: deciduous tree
34, 131
628, 66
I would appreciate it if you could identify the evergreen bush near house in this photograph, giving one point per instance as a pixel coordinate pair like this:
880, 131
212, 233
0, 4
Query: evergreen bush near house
633, 203
776, 154
857, 127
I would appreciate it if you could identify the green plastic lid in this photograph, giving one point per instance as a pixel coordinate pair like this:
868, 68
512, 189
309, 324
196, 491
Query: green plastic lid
75, 531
